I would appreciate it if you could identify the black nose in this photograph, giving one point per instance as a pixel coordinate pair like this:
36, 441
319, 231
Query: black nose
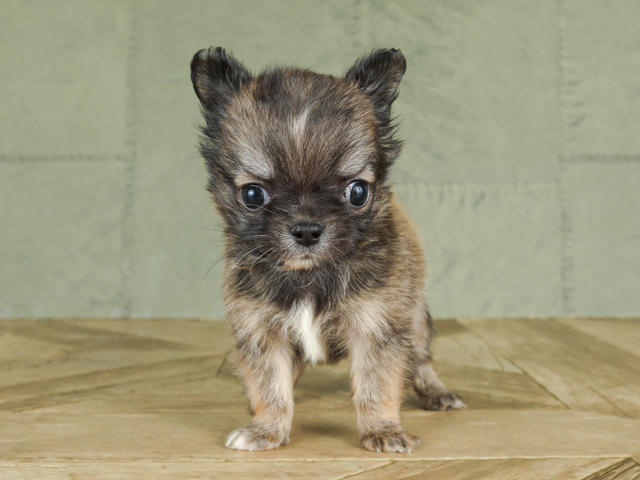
305, 233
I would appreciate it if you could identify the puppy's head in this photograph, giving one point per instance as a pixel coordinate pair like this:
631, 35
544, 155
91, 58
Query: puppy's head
298, 160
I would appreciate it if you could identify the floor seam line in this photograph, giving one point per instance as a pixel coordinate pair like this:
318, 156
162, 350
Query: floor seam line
595, 475
224, 362
525, 373
595, 338
367, 470
121, 369
625, 414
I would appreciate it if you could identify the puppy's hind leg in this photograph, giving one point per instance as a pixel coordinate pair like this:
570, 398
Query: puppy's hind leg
433, 394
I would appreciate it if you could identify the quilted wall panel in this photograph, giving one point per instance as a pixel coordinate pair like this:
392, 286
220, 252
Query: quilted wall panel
521, 164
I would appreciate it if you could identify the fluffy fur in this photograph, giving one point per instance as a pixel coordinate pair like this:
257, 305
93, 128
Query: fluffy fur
304, 138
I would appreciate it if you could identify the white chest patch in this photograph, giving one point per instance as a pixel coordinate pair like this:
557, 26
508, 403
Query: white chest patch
307, 333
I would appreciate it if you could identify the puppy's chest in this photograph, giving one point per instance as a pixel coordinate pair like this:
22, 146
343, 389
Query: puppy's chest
309, 331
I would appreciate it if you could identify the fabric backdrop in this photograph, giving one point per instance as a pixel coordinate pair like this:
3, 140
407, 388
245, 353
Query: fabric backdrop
521, 162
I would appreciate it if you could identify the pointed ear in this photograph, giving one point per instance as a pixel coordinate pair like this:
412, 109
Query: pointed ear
216, 76
379, 75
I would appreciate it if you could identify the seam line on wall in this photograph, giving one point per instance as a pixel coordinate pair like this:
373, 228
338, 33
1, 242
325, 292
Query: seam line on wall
358, 30
126, 272
600, 158
566, 230
477, 186
67, 157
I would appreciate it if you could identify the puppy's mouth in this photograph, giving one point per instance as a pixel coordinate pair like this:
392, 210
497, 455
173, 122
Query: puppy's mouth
304, 262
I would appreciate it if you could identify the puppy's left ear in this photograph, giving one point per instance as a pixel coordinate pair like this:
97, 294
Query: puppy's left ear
379, 75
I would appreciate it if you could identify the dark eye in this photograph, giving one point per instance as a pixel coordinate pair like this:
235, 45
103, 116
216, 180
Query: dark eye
357, 193
254, 196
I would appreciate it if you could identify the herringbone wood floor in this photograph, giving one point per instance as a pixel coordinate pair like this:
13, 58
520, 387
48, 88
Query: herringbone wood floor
116, 399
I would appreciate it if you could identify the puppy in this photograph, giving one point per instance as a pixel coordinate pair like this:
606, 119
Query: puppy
320, 262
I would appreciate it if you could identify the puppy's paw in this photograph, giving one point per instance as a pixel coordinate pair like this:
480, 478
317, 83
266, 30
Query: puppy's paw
255, 437
390, 439
444, 400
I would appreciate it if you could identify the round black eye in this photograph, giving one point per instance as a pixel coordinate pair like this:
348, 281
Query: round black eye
254, 196
357, 193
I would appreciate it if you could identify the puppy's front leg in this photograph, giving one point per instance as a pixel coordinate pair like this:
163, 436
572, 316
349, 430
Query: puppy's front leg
378, 377
266, 364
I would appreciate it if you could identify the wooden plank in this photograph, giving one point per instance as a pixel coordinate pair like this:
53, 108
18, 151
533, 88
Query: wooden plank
581, 371
197, 390
71, 364
511, 469
41, 351
485, 378
480, 374
78, 337
622, 333
18, 350
69, 470
138, 400
457, 345
8, 324
72, 388
316, 436
320, 388
212, 336
625, 470
480, 388
488, 388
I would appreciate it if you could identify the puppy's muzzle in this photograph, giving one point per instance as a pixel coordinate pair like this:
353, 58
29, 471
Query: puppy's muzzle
306, 233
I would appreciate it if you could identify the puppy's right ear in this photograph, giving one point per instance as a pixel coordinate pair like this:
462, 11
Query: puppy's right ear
216, 76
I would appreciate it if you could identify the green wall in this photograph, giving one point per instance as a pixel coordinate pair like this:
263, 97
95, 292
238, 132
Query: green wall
521, 162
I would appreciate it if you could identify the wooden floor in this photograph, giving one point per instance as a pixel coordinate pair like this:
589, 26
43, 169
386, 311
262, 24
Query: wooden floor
136, 399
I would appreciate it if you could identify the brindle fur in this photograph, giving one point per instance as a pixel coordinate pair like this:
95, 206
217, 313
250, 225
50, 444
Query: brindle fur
304, 136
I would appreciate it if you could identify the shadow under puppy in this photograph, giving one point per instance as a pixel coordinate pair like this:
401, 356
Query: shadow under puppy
320, 262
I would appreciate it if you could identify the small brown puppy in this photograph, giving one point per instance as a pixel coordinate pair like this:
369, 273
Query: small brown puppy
320, 262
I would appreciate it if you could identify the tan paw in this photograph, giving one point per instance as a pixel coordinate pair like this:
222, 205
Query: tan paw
442, 401
391, 439
254, 438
